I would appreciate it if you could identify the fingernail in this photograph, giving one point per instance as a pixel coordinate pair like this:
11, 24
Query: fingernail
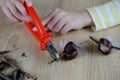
34, 29
29, 3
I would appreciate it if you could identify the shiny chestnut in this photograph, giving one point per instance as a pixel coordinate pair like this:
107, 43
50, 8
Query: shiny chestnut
105, 46
70, 51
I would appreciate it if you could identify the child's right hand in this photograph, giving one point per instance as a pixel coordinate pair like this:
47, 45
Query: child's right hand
63, 21
15, 10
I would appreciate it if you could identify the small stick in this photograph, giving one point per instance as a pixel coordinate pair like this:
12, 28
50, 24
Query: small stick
94, 39
51, 61
114, 47
5, 52
78, 46
83, 42
23, 75
11, 62
29, 76
17, 68
4, 77
61, 55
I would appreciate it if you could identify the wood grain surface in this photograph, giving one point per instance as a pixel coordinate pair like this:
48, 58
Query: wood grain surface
90, 64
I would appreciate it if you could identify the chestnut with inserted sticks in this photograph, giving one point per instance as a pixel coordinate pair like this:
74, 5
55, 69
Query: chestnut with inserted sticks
70, 51
104, 45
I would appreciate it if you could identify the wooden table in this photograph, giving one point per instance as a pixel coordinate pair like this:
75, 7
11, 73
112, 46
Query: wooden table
89, 64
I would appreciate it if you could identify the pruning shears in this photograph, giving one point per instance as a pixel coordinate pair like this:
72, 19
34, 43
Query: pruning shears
41, 34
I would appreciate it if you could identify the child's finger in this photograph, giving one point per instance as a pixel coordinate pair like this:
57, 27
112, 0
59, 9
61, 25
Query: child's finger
20, 7
35, 29
29, 2
55, 20
8, 14
60, 24
65, 29
47, 29
15, 12
50, 16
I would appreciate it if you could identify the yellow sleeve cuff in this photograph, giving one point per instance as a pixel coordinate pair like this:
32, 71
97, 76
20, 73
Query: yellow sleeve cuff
106, 15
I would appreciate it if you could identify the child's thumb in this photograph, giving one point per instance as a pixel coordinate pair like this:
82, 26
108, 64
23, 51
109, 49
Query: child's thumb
29, 2
44, 24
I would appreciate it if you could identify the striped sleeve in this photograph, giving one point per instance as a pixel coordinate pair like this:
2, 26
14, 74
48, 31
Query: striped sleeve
106, 15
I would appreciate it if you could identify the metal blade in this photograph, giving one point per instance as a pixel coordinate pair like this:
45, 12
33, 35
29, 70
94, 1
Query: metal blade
53, 52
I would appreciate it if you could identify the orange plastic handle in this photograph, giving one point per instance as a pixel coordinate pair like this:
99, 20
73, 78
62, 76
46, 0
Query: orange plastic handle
41, 35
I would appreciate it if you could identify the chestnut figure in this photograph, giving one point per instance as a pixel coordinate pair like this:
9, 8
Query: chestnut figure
70, 51
105, 46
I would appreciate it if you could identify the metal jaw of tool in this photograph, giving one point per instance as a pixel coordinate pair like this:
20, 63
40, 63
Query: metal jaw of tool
53, 53
41, 35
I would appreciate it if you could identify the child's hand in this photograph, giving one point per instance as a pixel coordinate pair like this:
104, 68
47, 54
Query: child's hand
62, 21
15, 10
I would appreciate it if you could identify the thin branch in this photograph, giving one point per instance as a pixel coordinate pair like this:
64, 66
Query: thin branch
94, 39
114, 47
11, 62
61, 55
4, 77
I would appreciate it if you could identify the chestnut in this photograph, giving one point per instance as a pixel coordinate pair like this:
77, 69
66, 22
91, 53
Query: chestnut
105, 46
70, 51
3, 65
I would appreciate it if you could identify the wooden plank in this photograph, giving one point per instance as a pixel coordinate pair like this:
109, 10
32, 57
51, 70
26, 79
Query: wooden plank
89, 64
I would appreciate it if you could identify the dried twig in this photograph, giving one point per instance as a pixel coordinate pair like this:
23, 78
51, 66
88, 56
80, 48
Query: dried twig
114, 47
61, 55
94, 40
29, 76
4, 77
5, 52
12, 62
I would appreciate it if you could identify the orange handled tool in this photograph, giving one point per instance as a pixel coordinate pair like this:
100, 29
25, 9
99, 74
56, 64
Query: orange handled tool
41, 35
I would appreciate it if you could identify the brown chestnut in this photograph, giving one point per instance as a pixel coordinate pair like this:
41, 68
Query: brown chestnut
105, 46
70, 51
3, 65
